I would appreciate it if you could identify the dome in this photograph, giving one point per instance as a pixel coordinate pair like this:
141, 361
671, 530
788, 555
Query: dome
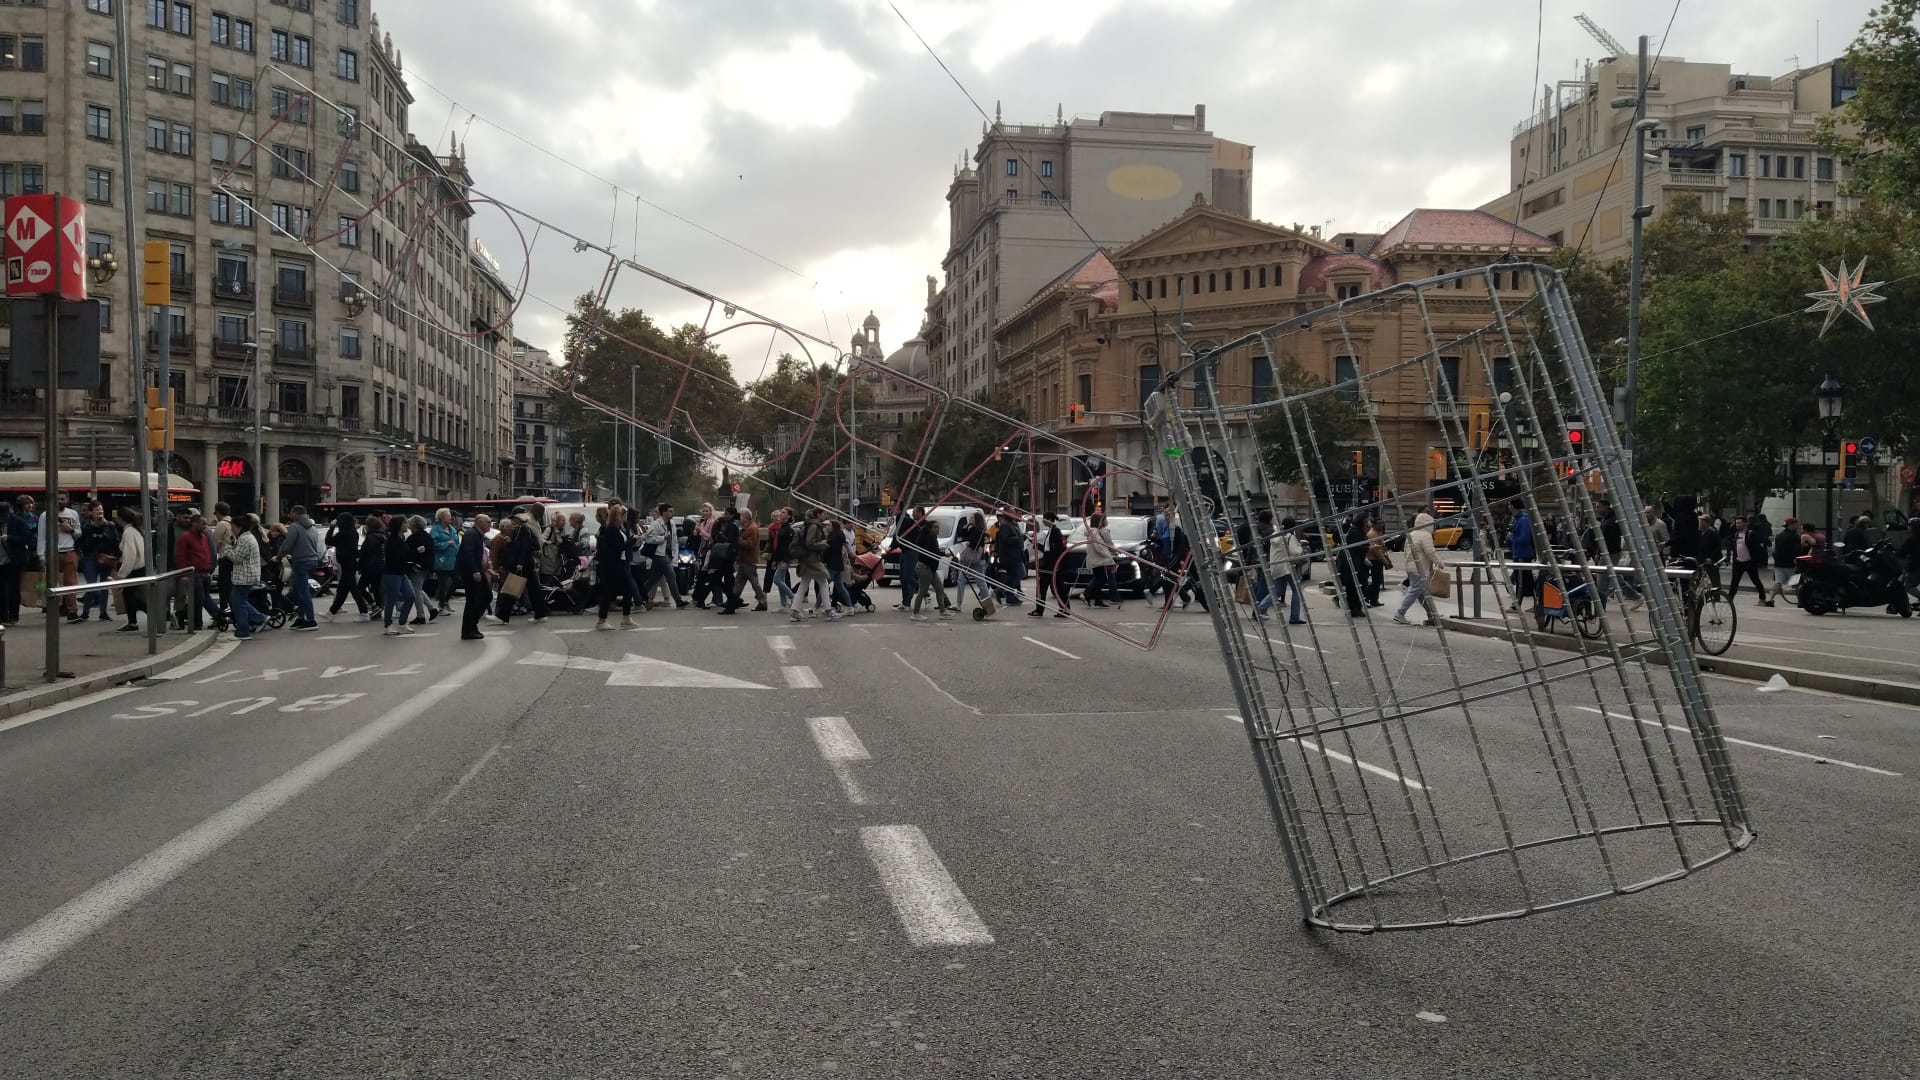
872, 322
910, 358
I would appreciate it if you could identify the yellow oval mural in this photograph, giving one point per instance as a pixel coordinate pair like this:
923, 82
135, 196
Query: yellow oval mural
1148, 182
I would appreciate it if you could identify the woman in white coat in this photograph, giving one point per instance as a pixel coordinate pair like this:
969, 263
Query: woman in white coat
132, 562
1422, 560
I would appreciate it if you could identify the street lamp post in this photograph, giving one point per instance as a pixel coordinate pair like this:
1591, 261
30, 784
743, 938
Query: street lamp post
262, 337
1829, 396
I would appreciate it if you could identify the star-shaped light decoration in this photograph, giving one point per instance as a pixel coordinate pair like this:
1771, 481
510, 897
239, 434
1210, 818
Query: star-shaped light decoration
1845, 292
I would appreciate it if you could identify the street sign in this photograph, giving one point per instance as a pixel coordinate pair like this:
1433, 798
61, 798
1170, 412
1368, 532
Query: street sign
1869, 446
79, 345
46, 239
326, 488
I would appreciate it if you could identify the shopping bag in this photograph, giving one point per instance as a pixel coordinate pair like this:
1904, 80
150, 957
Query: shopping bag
515, 585
1440, 585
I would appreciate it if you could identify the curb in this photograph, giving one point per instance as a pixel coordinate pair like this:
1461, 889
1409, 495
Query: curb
24, 701
1898, 693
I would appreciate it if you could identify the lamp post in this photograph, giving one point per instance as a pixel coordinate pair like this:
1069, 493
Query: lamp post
263, 338
1636, 259
1829, 395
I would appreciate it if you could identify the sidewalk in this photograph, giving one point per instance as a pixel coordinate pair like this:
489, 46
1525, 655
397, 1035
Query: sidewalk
91, 651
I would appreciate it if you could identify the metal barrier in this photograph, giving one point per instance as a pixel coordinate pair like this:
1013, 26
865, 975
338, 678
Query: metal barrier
154, 595
1476, 583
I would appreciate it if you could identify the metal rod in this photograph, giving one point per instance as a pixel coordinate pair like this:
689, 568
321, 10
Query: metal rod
1636, 264
136, 369
50, 536
154, 518
110, 584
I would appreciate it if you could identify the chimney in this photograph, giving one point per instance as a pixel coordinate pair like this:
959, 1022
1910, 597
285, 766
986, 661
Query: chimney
1200, 117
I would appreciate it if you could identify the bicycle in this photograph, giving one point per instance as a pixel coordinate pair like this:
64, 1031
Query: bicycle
1711, 620
1578, 605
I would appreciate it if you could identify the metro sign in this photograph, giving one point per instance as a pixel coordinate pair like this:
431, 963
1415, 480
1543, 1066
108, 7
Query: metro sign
40, 253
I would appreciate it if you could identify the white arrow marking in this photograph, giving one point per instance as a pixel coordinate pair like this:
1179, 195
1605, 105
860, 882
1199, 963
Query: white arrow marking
336, 672
632, 670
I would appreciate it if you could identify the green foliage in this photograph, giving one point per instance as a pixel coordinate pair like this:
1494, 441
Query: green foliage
965, 439
1687, 242
1878, 132
780, 407
608, 369
1333, 419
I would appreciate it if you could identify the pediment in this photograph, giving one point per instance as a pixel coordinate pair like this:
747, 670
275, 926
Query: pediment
1203, 229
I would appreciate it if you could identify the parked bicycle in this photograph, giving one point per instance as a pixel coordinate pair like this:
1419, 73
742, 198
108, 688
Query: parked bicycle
1711, 620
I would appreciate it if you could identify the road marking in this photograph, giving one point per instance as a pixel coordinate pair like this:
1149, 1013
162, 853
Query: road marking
836, 739
801, 677
781, 644
1050, 648
338, 637
930, 906
66, 706
1822, 758
634, 670
1365, 766
573, 631
720, 627
215, 653
936, 686
32, 949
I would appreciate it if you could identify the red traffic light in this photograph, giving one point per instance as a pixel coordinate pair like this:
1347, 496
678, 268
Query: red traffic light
1573, 436
1853, 448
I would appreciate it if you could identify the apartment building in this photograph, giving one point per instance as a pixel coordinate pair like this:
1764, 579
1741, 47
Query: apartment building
1724, 140
264, 135
1099, 335
544, 460
1121, 174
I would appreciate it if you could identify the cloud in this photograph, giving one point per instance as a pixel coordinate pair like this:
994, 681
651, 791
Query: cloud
820, 136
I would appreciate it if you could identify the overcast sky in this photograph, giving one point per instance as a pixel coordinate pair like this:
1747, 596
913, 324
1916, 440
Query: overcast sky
820, 135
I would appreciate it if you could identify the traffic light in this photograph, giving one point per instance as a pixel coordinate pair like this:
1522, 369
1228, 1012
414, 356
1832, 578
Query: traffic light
1576, 433
159, 421
1479, 427
1076, 413
156, 273
1848, 449
1436, 464
1359, 463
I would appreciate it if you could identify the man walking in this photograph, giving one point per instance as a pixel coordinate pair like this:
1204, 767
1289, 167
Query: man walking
922, 542
305, 546
193, 551
67, 520
815, 585
470, 566
1521, 549
99, 545
1749, 558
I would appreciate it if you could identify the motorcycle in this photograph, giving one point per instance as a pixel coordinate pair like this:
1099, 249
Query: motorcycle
1868, 577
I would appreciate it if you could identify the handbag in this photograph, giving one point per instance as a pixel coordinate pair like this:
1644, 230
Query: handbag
1440, 584
514, 586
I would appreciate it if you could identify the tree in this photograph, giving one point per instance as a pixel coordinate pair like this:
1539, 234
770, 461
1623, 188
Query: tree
609, 369
1877, 132
1688, 241
963, 444
1333, 418
782, 405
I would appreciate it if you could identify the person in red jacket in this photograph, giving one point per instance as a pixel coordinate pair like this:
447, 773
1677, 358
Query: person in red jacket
194, 592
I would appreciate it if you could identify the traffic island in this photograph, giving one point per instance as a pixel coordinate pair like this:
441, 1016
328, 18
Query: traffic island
94, 652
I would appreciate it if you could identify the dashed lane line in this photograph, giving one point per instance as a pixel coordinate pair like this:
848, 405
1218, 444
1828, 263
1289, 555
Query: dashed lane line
1820, 758
800, 677
929, 904
1050, 648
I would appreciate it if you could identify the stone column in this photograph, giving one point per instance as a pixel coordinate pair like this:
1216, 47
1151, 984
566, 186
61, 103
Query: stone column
327, 459
209, 478
270, 481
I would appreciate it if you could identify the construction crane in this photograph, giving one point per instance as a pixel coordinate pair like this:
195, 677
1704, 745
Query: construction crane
1612, 43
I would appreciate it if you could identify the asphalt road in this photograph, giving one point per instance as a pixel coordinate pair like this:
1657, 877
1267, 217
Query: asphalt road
744, 847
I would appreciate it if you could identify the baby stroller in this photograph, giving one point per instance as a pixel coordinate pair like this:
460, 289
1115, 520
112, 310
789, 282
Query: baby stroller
571, 593
865, 567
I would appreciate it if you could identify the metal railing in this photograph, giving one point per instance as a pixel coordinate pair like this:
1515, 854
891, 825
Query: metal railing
156, 613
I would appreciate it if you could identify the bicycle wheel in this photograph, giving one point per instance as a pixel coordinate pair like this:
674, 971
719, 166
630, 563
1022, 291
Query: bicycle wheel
1717, 621
1586, 616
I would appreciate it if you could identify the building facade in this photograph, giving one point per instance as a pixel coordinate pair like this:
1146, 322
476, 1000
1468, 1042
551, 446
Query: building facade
1098, 336
1723, 140
320, 257
544, 460
1121, 174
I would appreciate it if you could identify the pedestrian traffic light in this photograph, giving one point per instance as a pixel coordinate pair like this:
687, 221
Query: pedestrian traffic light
156, 273
1436, 464
159, 420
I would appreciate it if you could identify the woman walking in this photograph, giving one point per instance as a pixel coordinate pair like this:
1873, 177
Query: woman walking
1053, 548
132, 562
344, 539
1423, 559
610, 551
446, 550
1183, 563
1100, 562
396, 584
748, 564
245, 556
419, 562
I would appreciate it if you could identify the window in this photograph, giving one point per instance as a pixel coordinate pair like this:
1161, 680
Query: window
230, 275
99, 60
277, 45
98, 244
1213, 281
293, 397
157, 135
1737, 202
350, 402
6, 116
281, 101
1263, 388
33, 53
349, 177
302, 51
221, 89
182, 18
1450, 375
349, 232
1013, 166
1263, 277
1697, 131
106, 325
220, 205
1823, 168
1503, 376
282, 217
243, 94
347, 65
243, 212
1780, 166
7, 182
349, 343
157, 196
1346, 376
1246, 278
99, 186
183, 140
1736, 164
177, 262
220, 148
33, 118
182, 201
232, 392
349, 12
232, 330
177, 322
9, 50
220, 29
156, 73
1765, 162
1799, 167
292, 337
100, 7
1046, 168
1348, 292
100, 123
1206, 379
1823, 208
291, 281
1780, 209
33, 179
1799, 208
1766, 208
243, 35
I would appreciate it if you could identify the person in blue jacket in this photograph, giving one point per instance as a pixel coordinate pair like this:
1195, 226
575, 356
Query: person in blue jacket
1520, 548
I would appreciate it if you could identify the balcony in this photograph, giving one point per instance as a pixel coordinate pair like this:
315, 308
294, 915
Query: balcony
349, 423
97, 406
292, 299
181, 285
293, 354
235, 417
303, 421
232, 289
232, 350
1693, 178
178, 344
